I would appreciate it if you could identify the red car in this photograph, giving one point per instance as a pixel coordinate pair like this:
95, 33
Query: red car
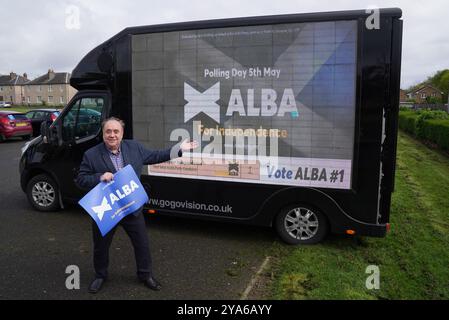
14, 124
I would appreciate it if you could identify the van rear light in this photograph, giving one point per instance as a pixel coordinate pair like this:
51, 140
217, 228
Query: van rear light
388, 227
350, 232
151, 211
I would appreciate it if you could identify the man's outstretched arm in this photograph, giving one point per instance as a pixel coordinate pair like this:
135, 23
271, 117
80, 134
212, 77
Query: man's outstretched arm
154, 157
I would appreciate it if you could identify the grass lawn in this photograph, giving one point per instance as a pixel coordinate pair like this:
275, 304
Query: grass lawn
413, 259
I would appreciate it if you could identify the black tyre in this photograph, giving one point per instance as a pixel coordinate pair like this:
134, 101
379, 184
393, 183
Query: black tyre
301, 224
43, 193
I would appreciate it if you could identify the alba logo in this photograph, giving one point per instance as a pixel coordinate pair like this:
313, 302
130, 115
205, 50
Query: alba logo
126, 190
202, 102
207, 102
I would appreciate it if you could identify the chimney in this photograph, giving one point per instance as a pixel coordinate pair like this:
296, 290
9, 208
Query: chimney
25, 76
51, 73
12, 75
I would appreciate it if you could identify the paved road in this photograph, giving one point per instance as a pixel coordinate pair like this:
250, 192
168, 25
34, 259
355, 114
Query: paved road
192, 259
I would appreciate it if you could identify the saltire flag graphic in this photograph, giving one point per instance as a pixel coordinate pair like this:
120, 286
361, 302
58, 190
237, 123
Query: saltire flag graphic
110, 202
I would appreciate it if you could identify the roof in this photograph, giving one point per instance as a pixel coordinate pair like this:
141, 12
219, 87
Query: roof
423, 87
52, 78
7, 80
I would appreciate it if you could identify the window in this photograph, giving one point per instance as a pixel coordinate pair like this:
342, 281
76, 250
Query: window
39, 99
61, 99
50, 99
61, 88
39, 115
50, 89
83, 119
28, 99
423, 95
17, 116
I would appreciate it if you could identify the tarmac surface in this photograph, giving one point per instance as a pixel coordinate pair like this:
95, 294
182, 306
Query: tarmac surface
192, 259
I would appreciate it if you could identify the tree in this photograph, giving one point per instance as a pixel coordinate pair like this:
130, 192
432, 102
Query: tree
433, 100
444, 85
441, 81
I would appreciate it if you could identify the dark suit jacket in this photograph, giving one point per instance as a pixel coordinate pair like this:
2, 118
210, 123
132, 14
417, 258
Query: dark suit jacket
96, 161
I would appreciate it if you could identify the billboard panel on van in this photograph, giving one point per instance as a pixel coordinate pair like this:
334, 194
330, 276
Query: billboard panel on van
271, 104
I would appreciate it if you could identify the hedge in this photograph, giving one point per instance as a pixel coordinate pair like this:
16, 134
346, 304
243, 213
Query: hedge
436, 131
407, 121
423, 126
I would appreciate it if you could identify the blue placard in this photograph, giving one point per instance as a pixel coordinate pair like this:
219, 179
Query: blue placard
108, 203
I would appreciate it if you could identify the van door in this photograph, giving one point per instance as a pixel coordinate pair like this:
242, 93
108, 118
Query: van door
79, 128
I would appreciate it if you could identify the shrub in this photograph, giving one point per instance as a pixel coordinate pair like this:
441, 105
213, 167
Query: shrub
423, 117
407, 121
427, 125
436, 131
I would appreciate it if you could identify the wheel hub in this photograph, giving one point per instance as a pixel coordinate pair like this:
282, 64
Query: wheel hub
43, 194
301, 223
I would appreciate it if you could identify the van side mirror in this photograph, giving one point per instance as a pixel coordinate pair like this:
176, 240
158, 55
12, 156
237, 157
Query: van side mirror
45, 131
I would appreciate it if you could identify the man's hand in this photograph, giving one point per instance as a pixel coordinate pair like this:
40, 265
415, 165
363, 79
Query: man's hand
106, 177
186, 145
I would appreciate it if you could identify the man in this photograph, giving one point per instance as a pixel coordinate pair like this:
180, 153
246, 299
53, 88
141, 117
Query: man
99, 164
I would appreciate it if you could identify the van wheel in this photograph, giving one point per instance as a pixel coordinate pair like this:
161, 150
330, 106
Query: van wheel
301, 224
42, 193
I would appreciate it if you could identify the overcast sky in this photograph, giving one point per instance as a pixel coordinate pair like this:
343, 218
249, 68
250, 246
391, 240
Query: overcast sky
36, 35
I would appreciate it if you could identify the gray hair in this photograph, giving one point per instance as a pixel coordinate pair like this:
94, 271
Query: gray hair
122, 123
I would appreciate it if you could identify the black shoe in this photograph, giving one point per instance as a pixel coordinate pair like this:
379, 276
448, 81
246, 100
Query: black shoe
95, 286
152, 284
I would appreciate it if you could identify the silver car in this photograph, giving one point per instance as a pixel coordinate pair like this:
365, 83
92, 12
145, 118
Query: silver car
5, 104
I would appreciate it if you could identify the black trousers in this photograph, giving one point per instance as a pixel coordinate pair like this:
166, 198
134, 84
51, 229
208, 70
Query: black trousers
136, 230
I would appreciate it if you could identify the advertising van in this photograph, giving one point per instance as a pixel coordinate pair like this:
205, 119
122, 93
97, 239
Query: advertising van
295, 115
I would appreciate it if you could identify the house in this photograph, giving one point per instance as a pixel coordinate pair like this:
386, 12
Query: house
403, 96
421, 94
12, 88
52, 88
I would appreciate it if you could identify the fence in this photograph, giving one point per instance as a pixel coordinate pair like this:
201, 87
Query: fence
421, 106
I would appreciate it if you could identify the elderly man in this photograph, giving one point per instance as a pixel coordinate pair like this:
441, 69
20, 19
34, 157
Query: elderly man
99, 164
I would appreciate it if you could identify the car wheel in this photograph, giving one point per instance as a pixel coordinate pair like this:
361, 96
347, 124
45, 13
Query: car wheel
42, 193
301, 224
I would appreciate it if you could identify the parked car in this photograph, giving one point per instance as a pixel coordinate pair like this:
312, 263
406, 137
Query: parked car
14, 124
5, 104
37, 116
